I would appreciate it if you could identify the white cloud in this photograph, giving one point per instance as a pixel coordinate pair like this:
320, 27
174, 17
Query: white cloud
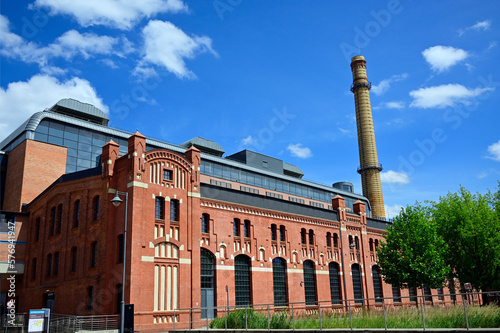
167, 46
441, 58
494, 150
482, 25
121, 14
392, 105
384, 85
68, 45
248, 141
21, 99
394, 177
345, 131
110, 63
392, 211
298, 151
444, 95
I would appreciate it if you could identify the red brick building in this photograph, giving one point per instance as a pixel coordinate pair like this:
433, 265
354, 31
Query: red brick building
198, 223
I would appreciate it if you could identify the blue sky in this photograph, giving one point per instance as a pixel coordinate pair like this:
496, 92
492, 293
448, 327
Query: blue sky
274, 77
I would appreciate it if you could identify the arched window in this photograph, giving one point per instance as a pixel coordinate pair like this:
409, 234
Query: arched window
376, 244
236, 228
351, 243
371, 244
309, 283
311, 237
246, 228
242, 280
356, 284
95, 211
273, 232
335, 240
333, 267
303, 236
159, 208
282, 233
377, 284
396, 294
279, 282
207, 272
356, 243
328, 239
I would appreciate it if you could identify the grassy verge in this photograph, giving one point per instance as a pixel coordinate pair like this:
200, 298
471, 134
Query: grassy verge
435, 317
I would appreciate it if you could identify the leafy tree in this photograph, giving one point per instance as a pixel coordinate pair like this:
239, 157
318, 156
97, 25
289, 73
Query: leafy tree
470, 225
413, 253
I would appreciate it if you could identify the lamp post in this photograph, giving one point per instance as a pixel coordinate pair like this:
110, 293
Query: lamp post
116, 201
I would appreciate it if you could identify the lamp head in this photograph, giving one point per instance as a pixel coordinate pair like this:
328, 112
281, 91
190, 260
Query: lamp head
116, 201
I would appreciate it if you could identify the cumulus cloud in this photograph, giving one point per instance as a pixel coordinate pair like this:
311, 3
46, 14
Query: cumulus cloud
21, 99
394, 177
481, 25
248, 141
441, 58
391, 105
167, 46
384, 85
70, 44
121, 14
494, 150
392, 211
298, 151
444, 95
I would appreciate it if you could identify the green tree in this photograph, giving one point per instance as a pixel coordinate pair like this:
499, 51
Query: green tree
413, 252
470, 225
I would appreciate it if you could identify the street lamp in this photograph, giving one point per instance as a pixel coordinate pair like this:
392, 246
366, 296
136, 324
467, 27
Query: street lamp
116, 201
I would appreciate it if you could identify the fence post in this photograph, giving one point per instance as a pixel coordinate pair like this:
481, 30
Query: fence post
246, 318
320, 321
383, 308
350, 314
293, 318
466, 317
268, 320
226, 310
422, 309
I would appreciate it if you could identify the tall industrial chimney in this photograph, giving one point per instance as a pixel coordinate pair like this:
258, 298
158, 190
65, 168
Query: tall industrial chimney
369, 168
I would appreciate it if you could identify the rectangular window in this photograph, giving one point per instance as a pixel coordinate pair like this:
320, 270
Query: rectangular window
37, 229
205, 219
274, 195
96, 208
159, 208
246, 229
91, 299
236, 228
396, 294
220, 183
174, 210
440, 294
74, 256
167, 174
49, 264
76, 219
120, 249
273, 232
59, 219
303, 236
311, 237
33, 269
56, 263
249, 189
93, 255
316, 204
297, 200
52, 221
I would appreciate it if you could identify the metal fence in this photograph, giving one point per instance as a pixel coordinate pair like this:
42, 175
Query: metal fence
60, 323
351, 307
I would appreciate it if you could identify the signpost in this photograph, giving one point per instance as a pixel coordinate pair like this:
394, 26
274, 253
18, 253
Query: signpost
39, 321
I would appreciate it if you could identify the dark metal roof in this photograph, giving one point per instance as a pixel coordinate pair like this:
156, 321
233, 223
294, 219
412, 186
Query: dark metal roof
204, 145
85, 111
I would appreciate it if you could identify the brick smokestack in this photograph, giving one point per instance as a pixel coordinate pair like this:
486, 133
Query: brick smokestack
369, 168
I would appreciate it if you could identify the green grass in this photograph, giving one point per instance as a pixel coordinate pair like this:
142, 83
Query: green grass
402, 317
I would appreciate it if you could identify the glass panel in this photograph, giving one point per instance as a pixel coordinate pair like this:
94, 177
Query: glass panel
356, 283
279, 282
377, 284
242, 280
41, 137
334, 283
309, 283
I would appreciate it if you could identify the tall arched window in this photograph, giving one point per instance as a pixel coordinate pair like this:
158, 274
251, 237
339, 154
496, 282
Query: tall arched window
279, 282
205, 221
242, 280
377, 284
309, 283
335, 240
303, 236
207, 272
328, 239
333, 267
356, 284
